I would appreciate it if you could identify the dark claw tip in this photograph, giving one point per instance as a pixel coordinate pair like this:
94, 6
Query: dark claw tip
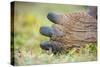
51, 45
46, 31
53, 17
45, 45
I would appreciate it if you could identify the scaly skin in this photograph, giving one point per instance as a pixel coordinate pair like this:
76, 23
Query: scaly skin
72, 30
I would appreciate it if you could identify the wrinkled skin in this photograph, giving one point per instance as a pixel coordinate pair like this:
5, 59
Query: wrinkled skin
72, 30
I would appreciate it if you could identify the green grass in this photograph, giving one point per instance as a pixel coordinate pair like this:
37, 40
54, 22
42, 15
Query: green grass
27, 55
28, 20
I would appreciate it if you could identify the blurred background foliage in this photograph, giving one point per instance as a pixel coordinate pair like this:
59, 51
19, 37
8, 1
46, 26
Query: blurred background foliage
28, 18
